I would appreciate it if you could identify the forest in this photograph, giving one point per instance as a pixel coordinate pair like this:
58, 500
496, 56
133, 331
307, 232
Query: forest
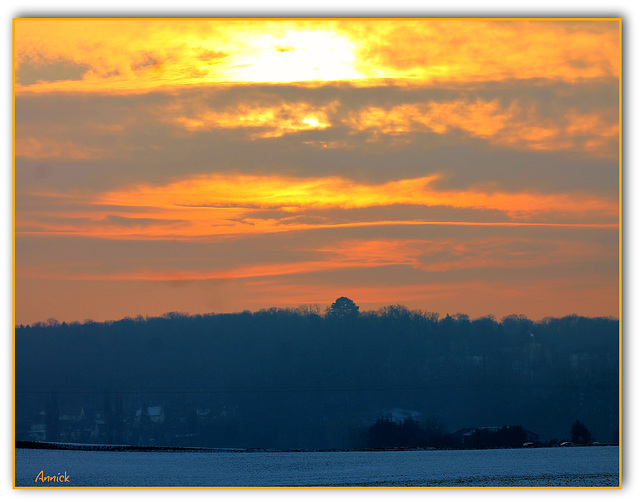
303, 378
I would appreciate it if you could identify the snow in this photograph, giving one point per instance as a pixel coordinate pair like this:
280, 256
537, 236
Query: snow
597, 466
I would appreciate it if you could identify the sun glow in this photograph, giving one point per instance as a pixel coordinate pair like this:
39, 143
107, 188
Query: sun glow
306, 55
137, 56
264, 121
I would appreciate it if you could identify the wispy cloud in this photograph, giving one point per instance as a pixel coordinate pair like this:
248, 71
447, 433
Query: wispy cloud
233, 204
421, 255
34, 148
295, 194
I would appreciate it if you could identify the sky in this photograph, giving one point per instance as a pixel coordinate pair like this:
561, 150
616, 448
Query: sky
221, 165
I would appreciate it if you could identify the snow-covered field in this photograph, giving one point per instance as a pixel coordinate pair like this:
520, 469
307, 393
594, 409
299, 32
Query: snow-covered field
594, 466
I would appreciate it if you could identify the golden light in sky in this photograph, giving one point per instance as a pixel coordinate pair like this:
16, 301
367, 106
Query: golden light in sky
274, 161
140, 55
296, 55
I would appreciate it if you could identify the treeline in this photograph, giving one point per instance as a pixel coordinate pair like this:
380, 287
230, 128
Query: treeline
411, 433
301, 378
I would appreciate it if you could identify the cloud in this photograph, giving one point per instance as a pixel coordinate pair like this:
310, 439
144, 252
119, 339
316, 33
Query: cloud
231, 204
264, 122
294, 194
437, 255
34, 148
284, 48
34, 69
134, 56
513, 126
484, 50
555, 137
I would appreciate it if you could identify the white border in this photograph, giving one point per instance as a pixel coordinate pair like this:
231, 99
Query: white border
626, 9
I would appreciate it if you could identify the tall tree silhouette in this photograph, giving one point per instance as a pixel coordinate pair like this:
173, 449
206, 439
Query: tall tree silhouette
579, 433
343, 308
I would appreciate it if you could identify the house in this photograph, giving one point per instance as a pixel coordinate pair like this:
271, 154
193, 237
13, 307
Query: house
38, 431
77, 428
155, 414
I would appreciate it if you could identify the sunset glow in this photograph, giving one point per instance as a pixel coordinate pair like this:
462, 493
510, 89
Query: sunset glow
258, 162
139, 55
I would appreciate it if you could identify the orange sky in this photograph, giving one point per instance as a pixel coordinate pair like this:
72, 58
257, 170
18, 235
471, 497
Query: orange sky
222, 165
140, 55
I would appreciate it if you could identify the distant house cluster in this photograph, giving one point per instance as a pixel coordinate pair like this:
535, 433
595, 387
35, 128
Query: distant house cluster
69, 427
146, 425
